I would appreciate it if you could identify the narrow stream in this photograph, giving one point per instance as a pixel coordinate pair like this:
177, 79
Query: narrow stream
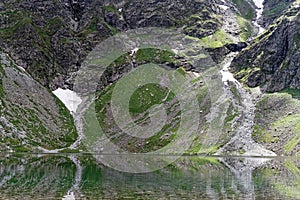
259, 11
246, 107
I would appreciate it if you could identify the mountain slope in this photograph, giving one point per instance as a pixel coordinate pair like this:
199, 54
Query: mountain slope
272, 60
30, 116
50, 39
271, 63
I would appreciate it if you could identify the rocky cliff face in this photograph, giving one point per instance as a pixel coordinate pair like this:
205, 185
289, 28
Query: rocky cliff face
51, 38
273, 9
272, 60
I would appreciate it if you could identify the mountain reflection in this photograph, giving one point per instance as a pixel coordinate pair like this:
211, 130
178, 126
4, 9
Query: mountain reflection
69, 176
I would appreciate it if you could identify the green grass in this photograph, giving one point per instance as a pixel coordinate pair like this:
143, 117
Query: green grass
245, 27
243, 74
154, 55
235, 93
277, 9
245, 9
89, 28
93, 24
261, 136
109, 8
197, 147
54, 24
291, 120
123, 59
181, 70
231, 114
290, 165
21, 149
25, 119
70, 134
20, 18
294, 92
111, 28
278, 118
218, 39
143, 98
290, 145
293, 188
147, 96
37, 133
157, 141
288, 190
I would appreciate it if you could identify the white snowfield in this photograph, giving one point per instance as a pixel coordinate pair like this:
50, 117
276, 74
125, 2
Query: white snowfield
224, 7
69, 98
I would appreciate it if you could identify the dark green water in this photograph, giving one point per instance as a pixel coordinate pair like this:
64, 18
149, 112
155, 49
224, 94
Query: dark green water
26, 176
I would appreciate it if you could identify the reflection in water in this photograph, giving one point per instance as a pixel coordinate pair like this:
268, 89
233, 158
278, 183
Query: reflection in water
77, 180
80, 177
242, 168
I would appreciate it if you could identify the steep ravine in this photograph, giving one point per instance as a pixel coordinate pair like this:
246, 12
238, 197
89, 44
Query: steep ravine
271, 61
259, 11
245, 101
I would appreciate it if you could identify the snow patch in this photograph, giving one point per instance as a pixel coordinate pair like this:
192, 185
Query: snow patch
228, 76
224, 7
69, 196
69, 98
21, 68
259, 3
175, 51
134, 51
196, 74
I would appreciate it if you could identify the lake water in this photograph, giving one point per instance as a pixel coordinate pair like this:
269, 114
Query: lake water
77, 176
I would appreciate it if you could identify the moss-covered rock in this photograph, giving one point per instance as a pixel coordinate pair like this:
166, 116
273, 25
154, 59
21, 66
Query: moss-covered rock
277, 122
273, 57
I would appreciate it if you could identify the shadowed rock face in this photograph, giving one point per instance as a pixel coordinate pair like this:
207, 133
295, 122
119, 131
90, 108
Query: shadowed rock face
273, 59
274, 9
51, 38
